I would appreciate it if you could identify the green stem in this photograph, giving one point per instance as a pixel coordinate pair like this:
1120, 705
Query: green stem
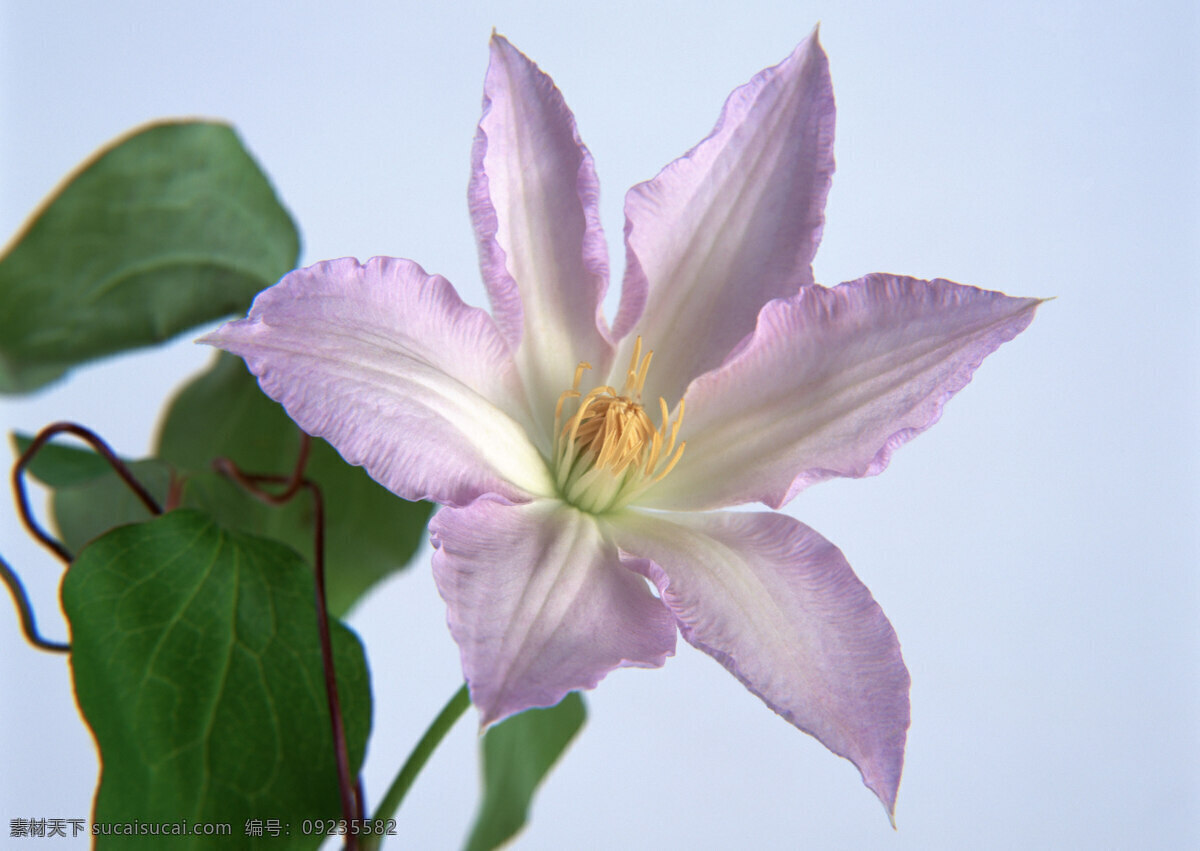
437, 731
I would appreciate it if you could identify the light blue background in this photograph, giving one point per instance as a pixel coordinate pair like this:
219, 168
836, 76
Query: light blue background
1036, 551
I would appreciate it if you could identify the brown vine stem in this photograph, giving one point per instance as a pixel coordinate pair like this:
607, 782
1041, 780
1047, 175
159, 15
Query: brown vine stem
349, 788
97, 443
25, 610
21, 496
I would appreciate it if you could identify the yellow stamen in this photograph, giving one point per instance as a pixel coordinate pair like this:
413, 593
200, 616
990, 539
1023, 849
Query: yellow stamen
641, 376
655, 448
608, 450
637, 354
573, 393
570, 394
671, 465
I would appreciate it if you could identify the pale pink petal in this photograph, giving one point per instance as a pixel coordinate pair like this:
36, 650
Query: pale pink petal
780, 608
387, 364
540, 604
733, 223
534, 202
830, 384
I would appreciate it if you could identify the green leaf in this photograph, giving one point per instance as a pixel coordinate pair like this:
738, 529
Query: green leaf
87, 510
369, 532
59, 465
89, 499
517, 755
167, 228
197, 665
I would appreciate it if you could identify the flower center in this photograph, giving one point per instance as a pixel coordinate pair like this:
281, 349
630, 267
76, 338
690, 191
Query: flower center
607, 451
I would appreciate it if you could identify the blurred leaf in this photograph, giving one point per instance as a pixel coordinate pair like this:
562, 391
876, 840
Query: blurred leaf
222, 412
197, 665
369, 531
87, 510
517, 755
59, 465
88, 498
169, 227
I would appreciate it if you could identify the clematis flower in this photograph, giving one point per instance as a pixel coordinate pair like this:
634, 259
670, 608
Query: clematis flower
575, 461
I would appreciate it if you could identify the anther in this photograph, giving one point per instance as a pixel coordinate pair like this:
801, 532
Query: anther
608, 451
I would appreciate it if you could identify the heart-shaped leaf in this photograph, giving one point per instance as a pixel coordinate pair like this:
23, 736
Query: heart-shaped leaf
169, 227
196, 663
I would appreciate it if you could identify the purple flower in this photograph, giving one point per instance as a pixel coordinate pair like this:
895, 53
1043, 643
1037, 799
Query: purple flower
573, 466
